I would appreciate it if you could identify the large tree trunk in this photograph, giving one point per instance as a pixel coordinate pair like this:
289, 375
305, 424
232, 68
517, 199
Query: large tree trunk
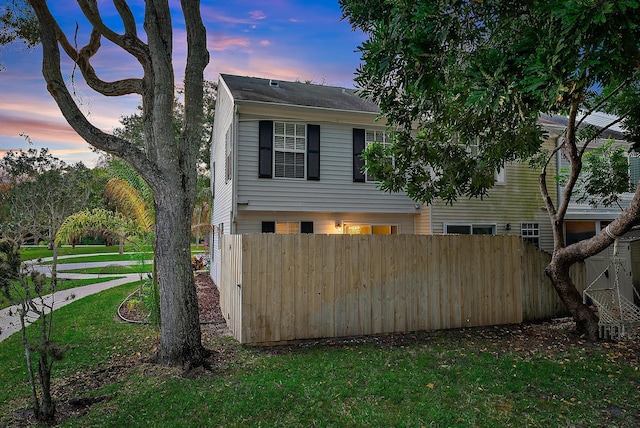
180, 336
586, 320
564, 257
167, 164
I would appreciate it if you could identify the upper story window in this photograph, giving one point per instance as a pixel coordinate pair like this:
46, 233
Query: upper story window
289, 150
373, 136
499, 175
634, 170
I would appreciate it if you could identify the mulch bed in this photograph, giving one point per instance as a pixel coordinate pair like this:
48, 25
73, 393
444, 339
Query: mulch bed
208, 303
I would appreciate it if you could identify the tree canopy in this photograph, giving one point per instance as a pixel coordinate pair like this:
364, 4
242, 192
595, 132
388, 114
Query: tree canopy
40, 191
462, 84
480, 73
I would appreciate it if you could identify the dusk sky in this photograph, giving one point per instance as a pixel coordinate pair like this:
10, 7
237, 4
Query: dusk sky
279, 39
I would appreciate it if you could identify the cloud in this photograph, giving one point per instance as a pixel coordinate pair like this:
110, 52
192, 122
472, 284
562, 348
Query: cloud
211, 14
221, 42
265, 43
37, 129
257, 14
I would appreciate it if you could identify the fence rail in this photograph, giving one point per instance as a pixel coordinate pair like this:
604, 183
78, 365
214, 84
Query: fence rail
277, 288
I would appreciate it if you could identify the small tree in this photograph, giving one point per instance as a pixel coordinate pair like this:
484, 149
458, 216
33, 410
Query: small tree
40, 351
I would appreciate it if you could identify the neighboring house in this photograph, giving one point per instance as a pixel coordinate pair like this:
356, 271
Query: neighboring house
514, 206
285, 159
583, 220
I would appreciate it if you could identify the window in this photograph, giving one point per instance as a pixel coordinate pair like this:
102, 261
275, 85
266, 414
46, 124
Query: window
289, 146
368, 229
530, 232
287, 227
372, 136
634, 169
228, 158
470, 229
499, 175
576, 231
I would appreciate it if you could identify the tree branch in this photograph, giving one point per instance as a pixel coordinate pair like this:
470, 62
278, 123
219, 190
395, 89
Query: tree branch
82, 59
129, 42
197, 60
55, 84
127, 18
542, 181
602, 101
590, 140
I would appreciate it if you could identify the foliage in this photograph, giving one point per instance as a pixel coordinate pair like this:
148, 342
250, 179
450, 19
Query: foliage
130, 202
462, 84
480, 73
41, 191
97, 221
9, 264
201, 219
605, 176
18, 23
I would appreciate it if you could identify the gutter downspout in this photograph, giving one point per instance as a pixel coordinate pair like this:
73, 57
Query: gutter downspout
234, 178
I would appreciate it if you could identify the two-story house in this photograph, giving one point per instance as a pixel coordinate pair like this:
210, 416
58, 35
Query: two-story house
285, 159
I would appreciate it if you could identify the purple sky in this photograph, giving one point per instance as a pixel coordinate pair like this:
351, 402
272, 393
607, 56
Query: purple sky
281, 39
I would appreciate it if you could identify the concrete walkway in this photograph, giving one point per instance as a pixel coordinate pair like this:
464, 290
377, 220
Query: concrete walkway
9, 318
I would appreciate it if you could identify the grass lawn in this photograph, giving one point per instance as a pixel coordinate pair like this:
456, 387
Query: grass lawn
115, 269
36, 252
106, 258
467, 378
63, 284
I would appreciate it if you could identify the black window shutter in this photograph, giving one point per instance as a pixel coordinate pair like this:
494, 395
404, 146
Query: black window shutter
306, 227
265, 142
358, 148
268, 227
313, 152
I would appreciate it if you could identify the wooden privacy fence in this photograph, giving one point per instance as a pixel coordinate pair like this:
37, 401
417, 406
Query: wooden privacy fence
276, 288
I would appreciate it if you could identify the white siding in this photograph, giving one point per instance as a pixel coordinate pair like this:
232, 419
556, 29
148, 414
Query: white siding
223, 193
335, 192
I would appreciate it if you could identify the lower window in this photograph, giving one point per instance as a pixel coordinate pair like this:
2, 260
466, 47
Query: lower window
530, 232
287, 227
368, 229
470, 229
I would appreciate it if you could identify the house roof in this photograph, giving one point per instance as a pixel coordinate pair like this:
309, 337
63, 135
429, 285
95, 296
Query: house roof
254, 89
597, 119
